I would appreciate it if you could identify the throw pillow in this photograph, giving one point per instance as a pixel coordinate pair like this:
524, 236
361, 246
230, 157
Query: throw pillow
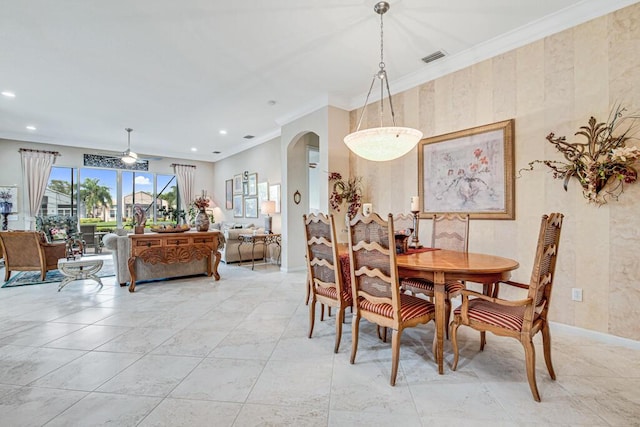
58, 234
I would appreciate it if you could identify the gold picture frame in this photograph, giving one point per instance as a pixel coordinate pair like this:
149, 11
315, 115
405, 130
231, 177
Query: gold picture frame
469, 171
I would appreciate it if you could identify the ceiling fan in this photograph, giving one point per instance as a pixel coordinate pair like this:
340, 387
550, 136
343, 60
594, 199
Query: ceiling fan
128, 156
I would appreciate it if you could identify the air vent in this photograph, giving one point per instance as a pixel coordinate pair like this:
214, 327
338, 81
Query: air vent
248, 137
434, 56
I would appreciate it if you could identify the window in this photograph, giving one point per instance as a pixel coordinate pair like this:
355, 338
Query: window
60, 195
106, 194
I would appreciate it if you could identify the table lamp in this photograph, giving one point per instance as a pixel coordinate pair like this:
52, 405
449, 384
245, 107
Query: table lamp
6, 209
267, 208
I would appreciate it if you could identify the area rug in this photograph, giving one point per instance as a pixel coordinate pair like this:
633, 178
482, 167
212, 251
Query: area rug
25, 278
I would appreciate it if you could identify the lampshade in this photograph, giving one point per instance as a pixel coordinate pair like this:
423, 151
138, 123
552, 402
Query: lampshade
268, 207
382, 143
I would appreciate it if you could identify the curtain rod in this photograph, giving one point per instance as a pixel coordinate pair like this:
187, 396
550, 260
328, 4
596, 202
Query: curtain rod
55, 153
178, 164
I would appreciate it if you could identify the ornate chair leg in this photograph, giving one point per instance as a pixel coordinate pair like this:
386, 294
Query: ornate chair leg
312, 315
355, 327
454, 342
546, 346
530, 360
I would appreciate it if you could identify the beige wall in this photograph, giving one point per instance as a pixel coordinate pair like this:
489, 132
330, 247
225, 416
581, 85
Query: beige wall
554, 84
264, 160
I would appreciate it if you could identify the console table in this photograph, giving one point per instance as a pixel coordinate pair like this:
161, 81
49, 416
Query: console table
259, 239
171, 248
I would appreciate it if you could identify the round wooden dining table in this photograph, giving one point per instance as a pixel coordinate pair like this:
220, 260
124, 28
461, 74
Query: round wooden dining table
442, 266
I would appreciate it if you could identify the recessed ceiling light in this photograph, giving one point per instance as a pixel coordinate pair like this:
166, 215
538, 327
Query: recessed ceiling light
194, 149
223, 132
31, 127
8, 94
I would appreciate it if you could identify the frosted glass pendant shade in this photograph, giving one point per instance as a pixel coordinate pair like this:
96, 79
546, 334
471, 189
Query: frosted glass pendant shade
383, 143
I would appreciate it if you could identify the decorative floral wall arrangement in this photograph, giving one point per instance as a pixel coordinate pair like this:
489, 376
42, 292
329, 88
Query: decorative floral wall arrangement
602, 164
349, 191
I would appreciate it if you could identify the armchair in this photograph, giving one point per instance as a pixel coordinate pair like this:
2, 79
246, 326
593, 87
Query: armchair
61, 228
29, 251
520, 319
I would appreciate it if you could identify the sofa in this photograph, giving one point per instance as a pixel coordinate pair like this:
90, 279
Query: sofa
231, 232
119, 244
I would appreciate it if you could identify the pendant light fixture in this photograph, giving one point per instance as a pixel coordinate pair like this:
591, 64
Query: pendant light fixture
382, 143
129, 157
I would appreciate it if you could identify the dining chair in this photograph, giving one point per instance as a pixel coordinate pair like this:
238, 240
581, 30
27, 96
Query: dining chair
520, 319
375, 288
451, 232
323, 270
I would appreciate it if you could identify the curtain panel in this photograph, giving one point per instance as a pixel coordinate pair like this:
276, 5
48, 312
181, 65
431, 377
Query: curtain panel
36, 165
186, 178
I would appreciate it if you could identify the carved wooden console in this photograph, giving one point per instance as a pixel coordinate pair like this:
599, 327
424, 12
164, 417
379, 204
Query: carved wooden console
171, 248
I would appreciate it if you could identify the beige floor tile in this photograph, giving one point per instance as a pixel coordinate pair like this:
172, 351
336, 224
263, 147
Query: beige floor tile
188, 351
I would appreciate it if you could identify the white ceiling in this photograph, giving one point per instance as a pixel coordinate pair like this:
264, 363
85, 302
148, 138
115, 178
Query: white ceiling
177, 72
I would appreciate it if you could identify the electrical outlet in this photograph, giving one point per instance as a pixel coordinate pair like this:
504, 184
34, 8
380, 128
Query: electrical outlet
576, 294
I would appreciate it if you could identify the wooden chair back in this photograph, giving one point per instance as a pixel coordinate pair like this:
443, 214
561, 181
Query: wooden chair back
322, 252
22, 249
325, 281
544, 267
450, 231
373, 267
402, 221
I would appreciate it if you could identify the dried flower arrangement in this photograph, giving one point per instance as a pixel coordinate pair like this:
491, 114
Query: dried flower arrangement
201, 202
604, 163
349, 191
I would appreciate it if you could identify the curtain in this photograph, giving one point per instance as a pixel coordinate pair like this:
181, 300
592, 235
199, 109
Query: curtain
186, 177
36, 165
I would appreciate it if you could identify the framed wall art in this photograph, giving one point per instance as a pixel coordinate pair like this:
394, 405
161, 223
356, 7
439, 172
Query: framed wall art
253, 184
237, 184
238, 206
263, 192
251, 207
274, 194
469, 171
228, 194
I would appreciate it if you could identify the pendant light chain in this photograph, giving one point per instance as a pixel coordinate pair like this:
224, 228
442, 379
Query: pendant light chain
382, 74
381, 143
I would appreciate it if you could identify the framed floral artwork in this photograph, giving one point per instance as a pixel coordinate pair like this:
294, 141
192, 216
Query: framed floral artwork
469, 171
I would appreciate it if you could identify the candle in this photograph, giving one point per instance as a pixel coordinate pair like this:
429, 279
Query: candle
367, 208
415, 204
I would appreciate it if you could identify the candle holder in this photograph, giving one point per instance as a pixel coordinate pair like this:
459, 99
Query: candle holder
415, 242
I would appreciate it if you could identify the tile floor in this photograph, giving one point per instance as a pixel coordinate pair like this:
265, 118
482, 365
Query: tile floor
194, 352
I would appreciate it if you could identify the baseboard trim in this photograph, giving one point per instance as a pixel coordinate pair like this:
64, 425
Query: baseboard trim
598, 336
